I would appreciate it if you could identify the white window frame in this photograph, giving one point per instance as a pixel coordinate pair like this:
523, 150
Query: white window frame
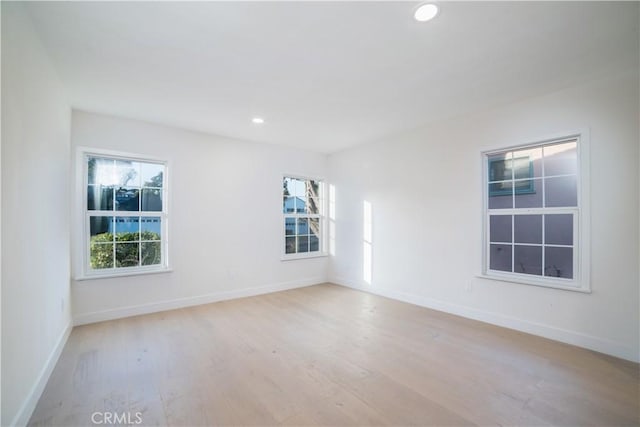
321, 215
83, 270
581, 224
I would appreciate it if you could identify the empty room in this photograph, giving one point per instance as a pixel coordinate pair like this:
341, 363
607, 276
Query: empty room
320, 213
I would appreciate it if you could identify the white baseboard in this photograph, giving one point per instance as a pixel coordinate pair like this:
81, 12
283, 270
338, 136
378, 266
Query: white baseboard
29, 404
557, 334
118, 313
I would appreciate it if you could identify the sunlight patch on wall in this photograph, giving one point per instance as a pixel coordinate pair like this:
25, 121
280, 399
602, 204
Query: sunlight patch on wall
332, 219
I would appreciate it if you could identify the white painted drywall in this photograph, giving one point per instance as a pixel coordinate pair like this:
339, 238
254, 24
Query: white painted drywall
35, 215
225, 219
425, 188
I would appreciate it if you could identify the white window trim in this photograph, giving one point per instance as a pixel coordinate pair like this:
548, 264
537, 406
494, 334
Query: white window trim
582, 249
323, 252
81, 245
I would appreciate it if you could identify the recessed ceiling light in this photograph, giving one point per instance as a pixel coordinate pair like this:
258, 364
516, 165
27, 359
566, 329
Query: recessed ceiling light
426, 12
258, 120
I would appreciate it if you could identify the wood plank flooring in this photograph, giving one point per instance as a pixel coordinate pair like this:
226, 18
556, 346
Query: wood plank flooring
327, 355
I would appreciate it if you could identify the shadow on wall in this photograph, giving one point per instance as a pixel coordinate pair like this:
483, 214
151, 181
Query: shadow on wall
367, 243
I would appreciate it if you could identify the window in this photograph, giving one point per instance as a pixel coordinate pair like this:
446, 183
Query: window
125, 215
302, 206
533, 217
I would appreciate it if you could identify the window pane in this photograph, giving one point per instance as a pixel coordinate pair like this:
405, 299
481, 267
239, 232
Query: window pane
152, 174
558, 262
313, 206
298, 188
528, 193
500, 257
303, 198
101, 255
99, 198
501, 188
290, 245
100, 171
303, 244
500, 228
522, 168
301, 206
127, 199
101, 242
303, 226
151, 254
127, 254
527, 163
561, 159
289, 205
558, 229
151, 200
101, 228
540, 242
561, 191
289, 226
501, 195
314, 244
528, 259
313, 189
500, 167
124, 186
151, 227
314, 226
528, 229
127, 229
287, 187
127, 173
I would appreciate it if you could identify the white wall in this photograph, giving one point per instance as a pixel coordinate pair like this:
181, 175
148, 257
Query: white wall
426, 194
35, 216
225, 213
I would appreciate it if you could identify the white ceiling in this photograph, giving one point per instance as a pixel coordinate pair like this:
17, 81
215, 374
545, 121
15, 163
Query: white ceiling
324, 75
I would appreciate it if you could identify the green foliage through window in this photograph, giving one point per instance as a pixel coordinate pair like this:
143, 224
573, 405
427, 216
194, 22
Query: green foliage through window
131, 250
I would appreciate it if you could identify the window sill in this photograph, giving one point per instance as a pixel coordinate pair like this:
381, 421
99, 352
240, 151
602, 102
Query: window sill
110, 275
303, 256
524, 280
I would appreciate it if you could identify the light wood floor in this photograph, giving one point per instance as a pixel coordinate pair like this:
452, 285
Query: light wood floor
328, 355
